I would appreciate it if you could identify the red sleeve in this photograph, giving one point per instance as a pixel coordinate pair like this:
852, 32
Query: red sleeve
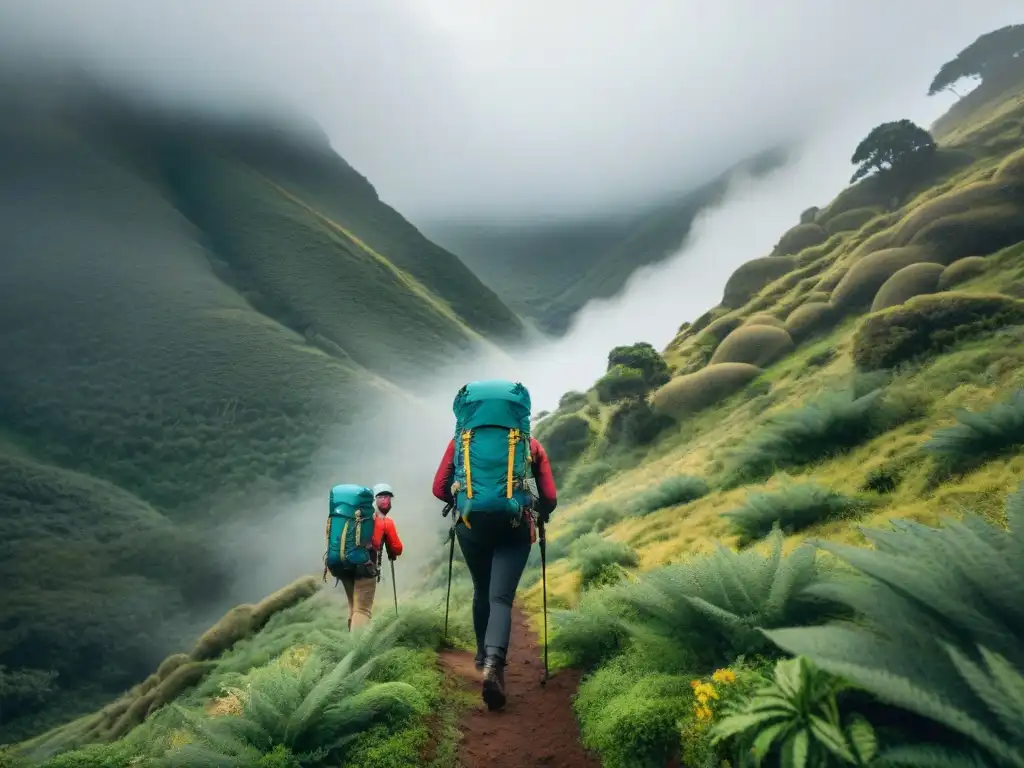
443, 476
545, 480
394, 544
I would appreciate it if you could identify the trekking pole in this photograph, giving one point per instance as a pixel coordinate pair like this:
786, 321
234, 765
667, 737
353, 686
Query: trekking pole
394, 586
544, 588
451, 558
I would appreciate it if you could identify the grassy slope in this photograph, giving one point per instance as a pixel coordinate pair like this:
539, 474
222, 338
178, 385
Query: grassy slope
177, 328
548, 272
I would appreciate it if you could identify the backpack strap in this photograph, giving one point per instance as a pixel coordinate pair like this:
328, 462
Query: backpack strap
466, 437
513, 440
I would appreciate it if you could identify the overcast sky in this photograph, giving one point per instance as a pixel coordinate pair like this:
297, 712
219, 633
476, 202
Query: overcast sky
465, 108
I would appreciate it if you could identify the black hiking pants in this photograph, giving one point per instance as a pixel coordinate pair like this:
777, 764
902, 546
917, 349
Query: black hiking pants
496, 554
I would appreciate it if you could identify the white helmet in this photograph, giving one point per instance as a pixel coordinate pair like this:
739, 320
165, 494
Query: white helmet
380, 488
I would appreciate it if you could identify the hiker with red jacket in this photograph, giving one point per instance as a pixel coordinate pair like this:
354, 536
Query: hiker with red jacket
484, 473
362, 531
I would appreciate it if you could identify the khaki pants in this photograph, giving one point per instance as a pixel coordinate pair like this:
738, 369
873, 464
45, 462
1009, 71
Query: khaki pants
360, 594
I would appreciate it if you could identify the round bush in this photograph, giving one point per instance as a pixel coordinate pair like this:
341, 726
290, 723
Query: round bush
851, 220
764, 318
644, 358
959, 200
1012, 168
621, 383
816, 297
688, 394
859, 286
961, 271
809, 215
977, 232
830, 280
572, 401
718, 330
799, 237
757, 345
809, 319
634, 423
566, 437
930, 324
915, 280
751, 277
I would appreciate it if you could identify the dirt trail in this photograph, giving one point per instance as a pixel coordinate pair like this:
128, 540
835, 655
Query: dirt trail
537, 727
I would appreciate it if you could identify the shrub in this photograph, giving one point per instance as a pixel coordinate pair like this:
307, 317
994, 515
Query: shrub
809, 215
814, 297
938, 630
980, 437
686, 395
960, 200
286, 597
572, 401
670, 492
860, 284
566, 437
851, 220
764, 318
592, 519
809, 319
830, 280
233, 626
751, 277
703, 613
792, 508
837, 422
757, 345
630, 719
915, 280
170, 664
621, 383
712, 335
975, 232
589, 475
600, 560
635, 423
927, 325
799, 237
961, 271
1011, 170
644, 358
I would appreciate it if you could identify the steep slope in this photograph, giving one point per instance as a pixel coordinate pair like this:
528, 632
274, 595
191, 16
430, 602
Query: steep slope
183, 327
549, 271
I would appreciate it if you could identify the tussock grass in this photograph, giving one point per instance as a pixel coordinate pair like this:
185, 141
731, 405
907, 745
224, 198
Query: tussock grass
599, 560
669, 493
791, 508
979, 436
835, 423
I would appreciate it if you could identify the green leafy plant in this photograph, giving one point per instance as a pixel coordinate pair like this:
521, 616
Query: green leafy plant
792, 508
938, 630
644, 358
681, 489
796, 716
699, 614
979, 436
601, 561
621, 383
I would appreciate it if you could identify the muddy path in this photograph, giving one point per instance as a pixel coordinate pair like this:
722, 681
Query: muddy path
537, 727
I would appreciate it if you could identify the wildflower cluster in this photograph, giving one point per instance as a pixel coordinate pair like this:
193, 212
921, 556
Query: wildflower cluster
705, 692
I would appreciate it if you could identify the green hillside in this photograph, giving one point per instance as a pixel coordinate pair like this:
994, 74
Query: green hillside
792, 537
549, 271
188, 311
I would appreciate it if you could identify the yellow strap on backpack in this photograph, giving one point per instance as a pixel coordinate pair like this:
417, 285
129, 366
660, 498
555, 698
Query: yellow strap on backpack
513, 440
465, 460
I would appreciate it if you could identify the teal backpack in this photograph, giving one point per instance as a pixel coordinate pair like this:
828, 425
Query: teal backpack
350, 532
492, 449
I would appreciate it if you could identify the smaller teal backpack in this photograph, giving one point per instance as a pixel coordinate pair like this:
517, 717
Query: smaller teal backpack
492, 449
350, 532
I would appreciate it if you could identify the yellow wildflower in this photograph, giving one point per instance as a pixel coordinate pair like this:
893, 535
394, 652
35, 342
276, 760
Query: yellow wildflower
703, 712
724, 676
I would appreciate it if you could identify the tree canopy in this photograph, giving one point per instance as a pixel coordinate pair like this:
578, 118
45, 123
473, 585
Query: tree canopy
892, 146
990, 54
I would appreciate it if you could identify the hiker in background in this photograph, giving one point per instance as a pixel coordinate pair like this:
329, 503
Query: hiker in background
355, 535
382, 496
485, 473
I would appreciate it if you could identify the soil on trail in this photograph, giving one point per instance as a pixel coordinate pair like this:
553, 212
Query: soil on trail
537, 727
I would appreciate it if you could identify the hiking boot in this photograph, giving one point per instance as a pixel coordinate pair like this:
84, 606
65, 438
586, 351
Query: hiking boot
478, 660
494, 683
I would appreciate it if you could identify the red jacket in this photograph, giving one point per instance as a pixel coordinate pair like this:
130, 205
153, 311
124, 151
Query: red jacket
386, 533
548, 493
